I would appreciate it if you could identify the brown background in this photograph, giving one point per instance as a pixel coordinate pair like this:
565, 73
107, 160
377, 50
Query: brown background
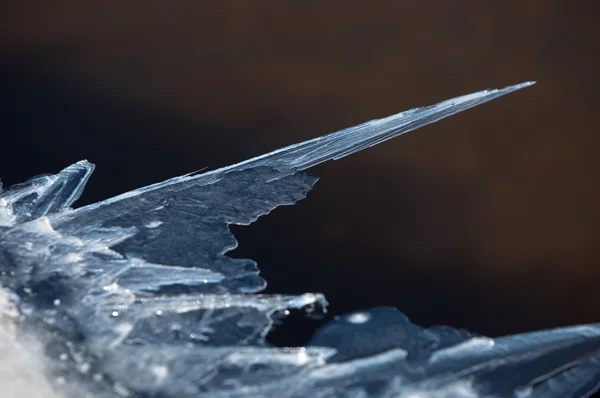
489, 220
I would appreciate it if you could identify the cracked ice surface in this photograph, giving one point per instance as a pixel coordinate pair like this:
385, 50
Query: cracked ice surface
135, 295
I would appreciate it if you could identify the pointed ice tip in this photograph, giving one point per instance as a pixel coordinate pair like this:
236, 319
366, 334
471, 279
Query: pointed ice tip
351, 140
470, 100
515, 87
521, 85
527, 84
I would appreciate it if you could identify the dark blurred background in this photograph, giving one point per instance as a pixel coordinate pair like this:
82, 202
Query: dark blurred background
489, 220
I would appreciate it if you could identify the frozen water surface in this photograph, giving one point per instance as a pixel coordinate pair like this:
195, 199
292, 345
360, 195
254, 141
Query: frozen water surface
135, 295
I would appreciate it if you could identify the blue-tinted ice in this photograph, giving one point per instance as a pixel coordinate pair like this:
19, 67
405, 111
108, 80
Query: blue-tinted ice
135, 295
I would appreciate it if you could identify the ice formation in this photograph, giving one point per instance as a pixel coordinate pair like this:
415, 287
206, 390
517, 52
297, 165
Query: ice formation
135, 295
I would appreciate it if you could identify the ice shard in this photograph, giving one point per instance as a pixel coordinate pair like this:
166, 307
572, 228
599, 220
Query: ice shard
136, 296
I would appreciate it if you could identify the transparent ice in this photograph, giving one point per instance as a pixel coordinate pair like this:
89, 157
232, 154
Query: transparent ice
136, 296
